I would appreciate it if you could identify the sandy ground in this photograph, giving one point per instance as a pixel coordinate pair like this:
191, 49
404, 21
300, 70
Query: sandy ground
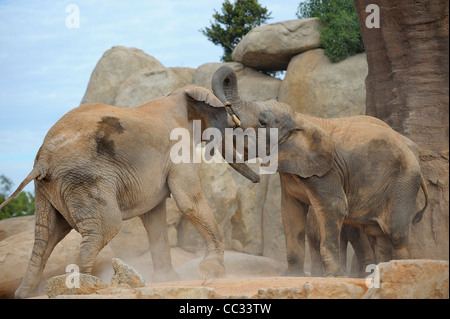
237, 287
250, 286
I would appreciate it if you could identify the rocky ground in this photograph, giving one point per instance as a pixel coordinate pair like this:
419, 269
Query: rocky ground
407, 279
124, 271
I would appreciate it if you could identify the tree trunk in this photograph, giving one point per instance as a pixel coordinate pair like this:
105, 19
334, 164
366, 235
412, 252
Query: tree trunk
408, 88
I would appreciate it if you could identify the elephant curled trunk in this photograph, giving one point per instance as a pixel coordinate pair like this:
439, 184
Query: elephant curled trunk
224, 85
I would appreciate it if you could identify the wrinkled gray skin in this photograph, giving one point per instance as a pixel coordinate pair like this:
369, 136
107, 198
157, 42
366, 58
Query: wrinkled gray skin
354, 170
362, 243
368, 249
101, 164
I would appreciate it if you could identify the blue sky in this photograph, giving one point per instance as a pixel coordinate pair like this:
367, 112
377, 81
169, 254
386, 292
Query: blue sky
45, 66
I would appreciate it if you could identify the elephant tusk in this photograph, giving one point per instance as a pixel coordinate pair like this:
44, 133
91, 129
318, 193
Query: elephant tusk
236, 120
231, 112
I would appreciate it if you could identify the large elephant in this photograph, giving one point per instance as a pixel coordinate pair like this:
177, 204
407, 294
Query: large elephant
353, 170
100, 164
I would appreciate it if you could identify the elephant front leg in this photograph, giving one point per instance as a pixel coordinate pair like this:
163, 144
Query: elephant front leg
203, 220
293, 214
330, 208
330, 224
184, 183
155, 223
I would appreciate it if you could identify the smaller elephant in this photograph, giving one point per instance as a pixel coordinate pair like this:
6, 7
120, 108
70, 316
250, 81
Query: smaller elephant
101, 164
368, 249
355, 171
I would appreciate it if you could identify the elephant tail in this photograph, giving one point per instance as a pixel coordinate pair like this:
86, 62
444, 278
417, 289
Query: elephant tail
35, 173
420, 213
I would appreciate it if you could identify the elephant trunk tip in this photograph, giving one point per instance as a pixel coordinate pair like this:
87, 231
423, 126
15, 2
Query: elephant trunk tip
228, 107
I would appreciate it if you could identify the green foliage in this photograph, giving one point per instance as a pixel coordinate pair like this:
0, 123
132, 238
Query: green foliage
235, 21
5, 184
340, 32
22, 205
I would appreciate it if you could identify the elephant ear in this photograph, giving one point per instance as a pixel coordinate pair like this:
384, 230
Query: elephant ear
308, 151
203, 95
203, 104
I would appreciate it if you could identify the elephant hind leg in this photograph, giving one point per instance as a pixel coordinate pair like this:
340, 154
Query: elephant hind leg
50, 229
396, 225
397, 230
97, 226
398, 238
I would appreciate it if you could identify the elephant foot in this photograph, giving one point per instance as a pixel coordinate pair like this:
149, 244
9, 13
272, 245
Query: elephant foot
28, 287
22, 292
211, 268
165, 276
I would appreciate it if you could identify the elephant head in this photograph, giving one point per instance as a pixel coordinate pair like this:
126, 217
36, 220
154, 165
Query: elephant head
304, 148
211, 111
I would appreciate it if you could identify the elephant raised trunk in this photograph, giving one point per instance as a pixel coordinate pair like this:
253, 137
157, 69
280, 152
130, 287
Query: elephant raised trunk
224, 85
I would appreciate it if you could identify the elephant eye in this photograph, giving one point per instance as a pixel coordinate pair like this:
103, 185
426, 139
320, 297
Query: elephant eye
262, 123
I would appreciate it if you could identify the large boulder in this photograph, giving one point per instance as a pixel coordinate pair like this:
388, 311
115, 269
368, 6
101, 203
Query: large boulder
314, 85
12, 226
253, 85
315, 288
126, 275
115, 66
410, 279
87, 284
271, 47
247, 223
150, 83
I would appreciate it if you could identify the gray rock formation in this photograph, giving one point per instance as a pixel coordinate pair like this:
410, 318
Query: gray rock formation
115, 66
63, 285
126, 275
271, 47
147, 84
314, 85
